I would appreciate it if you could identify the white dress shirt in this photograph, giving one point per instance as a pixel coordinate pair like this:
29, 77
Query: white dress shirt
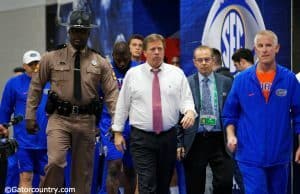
135, 98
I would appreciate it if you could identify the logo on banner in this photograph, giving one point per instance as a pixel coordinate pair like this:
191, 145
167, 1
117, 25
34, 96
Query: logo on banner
231, 25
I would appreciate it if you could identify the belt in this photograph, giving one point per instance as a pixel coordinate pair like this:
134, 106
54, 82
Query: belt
152, 132
79, 109
66, 108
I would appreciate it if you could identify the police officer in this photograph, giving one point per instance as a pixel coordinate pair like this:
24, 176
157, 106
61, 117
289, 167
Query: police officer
76, 73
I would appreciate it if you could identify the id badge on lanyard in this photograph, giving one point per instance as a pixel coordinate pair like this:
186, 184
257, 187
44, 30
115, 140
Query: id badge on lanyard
209, 120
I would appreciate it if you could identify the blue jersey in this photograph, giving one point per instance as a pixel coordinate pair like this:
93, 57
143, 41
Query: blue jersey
263, 129
14, 103
105, 122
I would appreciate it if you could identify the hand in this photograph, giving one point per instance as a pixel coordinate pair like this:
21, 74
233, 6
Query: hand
31, 126
231, 143
4, 131
119, 141
188, 119
180, 153
297, 155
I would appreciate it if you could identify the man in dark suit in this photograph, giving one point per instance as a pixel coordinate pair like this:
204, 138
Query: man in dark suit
204, 142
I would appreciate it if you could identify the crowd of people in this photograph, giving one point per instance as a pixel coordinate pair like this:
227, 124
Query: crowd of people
156, 127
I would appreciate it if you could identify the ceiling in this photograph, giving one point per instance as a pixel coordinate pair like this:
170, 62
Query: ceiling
7, 5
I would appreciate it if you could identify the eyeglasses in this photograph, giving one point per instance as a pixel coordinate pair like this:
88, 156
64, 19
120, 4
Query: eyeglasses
206, 60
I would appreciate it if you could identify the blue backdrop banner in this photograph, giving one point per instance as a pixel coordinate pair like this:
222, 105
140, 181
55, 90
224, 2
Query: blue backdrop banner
231, 24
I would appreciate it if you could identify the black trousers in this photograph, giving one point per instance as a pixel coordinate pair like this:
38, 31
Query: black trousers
154, 158
208, 148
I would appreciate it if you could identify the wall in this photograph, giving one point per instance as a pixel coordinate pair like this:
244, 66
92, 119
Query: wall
21, 30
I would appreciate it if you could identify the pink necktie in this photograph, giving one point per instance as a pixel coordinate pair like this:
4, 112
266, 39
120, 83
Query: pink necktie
156, 104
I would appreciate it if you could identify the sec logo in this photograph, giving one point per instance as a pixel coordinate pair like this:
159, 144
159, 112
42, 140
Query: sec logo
231, 25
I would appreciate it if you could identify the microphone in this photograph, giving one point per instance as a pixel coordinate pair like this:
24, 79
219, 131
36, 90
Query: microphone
14, 121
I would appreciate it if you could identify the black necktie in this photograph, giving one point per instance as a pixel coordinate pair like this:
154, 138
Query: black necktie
77, 79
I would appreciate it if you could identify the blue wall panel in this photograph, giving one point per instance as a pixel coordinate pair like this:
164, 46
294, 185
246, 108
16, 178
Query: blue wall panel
194, 18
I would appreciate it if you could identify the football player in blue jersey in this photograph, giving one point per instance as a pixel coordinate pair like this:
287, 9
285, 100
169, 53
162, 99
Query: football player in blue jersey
116, 160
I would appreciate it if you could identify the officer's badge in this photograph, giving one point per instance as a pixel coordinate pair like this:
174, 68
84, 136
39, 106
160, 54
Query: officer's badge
79, 21
94, 62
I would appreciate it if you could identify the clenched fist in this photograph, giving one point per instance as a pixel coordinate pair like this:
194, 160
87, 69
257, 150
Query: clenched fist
3, 131
31, 126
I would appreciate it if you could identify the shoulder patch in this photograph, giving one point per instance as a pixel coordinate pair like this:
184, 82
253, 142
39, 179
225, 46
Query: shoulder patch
61, 46
114, 75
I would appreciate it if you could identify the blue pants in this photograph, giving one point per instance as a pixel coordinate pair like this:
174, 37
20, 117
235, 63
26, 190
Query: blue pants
180, 177
264, 180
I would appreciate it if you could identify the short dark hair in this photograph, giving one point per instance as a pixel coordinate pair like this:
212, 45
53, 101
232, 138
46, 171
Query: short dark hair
216, 54
243, 53
19, 70
136, 36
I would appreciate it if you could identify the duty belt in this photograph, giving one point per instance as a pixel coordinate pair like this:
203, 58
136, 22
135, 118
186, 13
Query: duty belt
65, 108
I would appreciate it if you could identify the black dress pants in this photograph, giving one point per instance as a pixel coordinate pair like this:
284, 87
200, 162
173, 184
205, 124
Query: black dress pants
208, 148
154, 158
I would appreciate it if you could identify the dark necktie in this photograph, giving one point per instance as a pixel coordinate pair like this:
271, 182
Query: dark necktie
156, 104
207, 108
77, 79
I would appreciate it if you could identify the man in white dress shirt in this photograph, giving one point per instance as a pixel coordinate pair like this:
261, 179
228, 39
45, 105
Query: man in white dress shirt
153, 95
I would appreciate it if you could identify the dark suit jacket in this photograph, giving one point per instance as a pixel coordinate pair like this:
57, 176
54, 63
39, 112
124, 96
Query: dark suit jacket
223, 85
